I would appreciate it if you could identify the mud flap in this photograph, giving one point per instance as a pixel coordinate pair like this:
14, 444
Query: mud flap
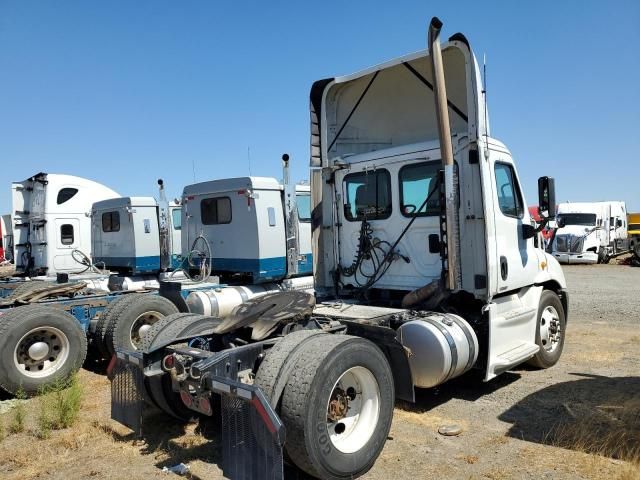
252, 434
127, 390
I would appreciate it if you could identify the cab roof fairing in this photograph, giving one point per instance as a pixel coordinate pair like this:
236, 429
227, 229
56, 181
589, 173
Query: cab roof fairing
414, 121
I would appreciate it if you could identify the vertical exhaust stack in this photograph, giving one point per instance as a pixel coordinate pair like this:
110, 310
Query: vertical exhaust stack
164, 227
290, 219
452, 230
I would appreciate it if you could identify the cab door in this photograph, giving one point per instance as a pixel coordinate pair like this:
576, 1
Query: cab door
517, 257
513, 309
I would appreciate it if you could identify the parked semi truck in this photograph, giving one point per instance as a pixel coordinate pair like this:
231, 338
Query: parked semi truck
591, 232
46, 327
424, 267
51, 219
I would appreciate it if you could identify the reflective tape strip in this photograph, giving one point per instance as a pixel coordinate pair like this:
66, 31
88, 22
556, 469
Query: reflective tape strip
242, 393
220, 387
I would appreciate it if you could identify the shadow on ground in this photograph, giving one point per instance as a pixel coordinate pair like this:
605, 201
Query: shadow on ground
469, 387
593, 414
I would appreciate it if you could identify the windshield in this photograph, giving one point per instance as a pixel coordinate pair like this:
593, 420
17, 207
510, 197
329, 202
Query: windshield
587, 219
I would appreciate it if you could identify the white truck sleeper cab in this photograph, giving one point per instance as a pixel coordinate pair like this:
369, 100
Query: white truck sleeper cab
51, 219
126, 235
243, 221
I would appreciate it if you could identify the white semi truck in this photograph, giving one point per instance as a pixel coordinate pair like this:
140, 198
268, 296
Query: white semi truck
590, 232
51, 219
424, 266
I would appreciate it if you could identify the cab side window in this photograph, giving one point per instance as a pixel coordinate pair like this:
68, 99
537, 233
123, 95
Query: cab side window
66, 234
416, 182
303, 202
367, 195
509, 197
215, 211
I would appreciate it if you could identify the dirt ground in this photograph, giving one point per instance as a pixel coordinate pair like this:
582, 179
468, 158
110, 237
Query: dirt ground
526, 424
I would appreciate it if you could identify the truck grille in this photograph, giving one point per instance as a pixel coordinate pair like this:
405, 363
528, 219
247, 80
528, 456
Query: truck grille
569, 243
249, 450
127, 387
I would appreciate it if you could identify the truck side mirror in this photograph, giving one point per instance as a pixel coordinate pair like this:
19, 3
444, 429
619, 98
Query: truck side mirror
560, 222
547, 197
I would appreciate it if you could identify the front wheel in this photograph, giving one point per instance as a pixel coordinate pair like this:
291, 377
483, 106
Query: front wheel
550, 331
337, 406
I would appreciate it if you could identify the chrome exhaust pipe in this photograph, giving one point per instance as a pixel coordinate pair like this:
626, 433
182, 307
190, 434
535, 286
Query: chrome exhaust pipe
454, 280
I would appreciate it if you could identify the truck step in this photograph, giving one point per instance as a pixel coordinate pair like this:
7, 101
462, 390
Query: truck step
519, 313
515, 355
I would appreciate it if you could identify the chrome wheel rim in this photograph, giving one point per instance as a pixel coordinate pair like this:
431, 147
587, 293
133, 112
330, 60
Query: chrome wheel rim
41, 352
141, 326
550, 329
353, 410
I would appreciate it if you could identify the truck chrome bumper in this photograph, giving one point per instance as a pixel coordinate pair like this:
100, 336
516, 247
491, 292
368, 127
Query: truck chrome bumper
573, 258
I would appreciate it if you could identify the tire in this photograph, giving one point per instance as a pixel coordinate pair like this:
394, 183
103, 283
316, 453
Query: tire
326, 361
58, 340
550, 311
26, 287
102, 326
636, 249
602, 255
276, 367
135, 314
161, 333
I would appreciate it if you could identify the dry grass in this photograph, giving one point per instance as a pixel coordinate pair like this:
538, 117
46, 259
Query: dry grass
611, 430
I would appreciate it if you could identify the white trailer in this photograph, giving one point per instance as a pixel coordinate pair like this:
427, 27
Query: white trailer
590, 232
425, 266
51, 219
127, 236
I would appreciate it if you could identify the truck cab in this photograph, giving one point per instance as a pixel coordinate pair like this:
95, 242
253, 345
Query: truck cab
126, 236
377, 171
51, 219
590, 232
240, 225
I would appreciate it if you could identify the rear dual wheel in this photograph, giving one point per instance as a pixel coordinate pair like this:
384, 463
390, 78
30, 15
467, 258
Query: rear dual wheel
39, 345
337, 405
162, 333
126, 320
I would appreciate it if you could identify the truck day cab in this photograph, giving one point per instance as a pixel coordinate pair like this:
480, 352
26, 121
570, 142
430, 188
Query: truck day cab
424, 266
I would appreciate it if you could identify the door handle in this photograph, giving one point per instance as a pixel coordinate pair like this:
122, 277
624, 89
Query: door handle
504, 268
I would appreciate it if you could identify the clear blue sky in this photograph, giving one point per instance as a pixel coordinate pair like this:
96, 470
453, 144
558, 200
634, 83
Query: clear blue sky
124, 92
